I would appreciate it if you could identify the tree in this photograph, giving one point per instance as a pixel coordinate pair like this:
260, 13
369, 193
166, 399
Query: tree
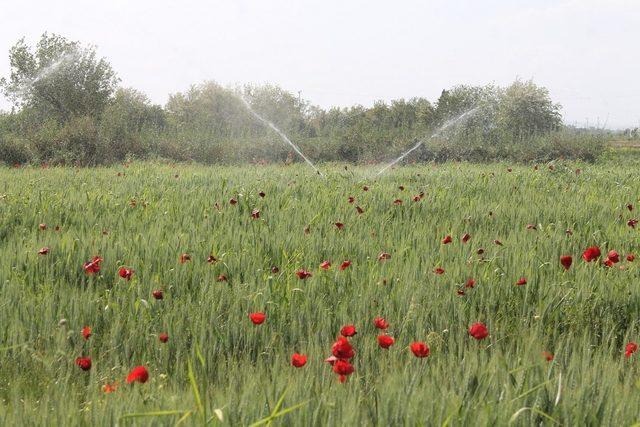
526, 110
58, 78
284, 109
129, 124
209, 112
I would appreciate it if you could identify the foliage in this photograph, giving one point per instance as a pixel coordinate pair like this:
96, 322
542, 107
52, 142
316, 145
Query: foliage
69, 110
59, 79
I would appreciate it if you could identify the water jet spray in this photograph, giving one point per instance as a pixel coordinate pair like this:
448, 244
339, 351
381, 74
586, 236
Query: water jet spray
437, 133
279, 132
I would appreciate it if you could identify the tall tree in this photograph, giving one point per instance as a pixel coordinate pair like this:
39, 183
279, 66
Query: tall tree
58, 78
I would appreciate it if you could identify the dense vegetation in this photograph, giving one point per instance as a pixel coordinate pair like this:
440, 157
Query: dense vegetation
69, 109
175, 229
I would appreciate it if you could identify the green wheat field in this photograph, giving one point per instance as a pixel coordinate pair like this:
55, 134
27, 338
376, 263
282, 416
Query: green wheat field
556, 353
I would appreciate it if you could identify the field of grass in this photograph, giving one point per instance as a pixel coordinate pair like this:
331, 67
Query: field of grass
218, 367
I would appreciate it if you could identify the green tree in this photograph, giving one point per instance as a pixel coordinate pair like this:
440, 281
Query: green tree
526, 110
130, 124
58, 78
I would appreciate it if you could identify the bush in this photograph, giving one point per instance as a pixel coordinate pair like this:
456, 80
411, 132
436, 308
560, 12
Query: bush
79, 143
14, 150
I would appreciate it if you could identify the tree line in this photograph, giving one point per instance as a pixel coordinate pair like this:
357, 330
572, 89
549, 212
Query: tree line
69, 108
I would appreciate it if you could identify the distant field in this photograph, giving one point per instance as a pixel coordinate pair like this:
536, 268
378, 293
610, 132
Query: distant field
625, 144
163, 222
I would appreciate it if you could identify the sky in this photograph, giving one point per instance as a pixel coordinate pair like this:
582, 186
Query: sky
341, 53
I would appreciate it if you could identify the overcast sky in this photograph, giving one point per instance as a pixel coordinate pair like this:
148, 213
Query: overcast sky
587, 52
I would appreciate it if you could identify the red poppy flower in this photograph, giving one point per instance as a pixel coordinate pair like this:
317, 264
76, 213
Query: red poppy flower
339, 225
42, 227
345, 264
447, 239
325, 265
43, 251
221, 278
416, 198
157, 294
342, 349
470, 283
479, 331
466, 237
211, 259
298, 360
608, 262
163, 337
521, 281
385, 341
125, 273
138, 374
84, 363
343, 369
109, 388
255, 214
548, 356
591, 254
566, 261
630, 349
233, 201
498, 242
632, 223
531, 227
348, 331
303, 274
257, 318
420, 349
86, 332
631, 257
384, 256
261, 194
351, 199
92, 266
365, 188
184, 258
613, 256
439, 270
397, 202
380, 323
359, 210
